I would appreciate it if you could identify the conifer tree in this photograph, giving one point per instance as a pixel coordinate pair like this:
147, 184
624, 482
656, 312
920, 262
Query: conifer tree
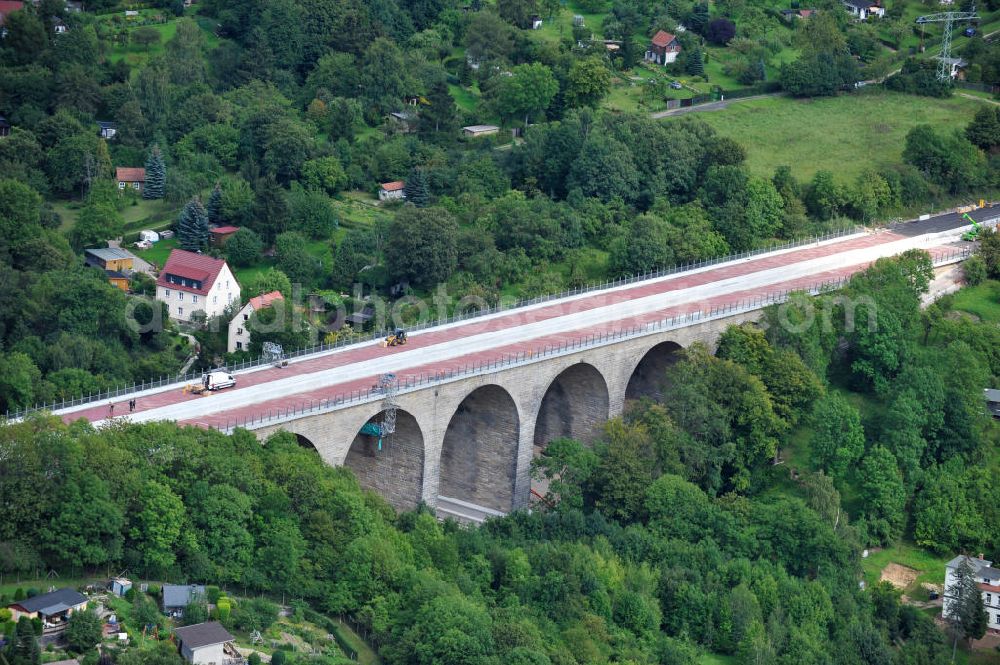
699, 17
156, 175
417, 190
192, 226
23, 649
695, 62
214, 205
440, 114
966, 615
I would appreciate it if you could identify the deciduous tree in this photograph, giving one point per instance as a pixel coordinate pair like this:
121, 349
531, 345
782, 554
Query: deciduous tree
243, 248
84, 630
587, 82
527, 91
838, 439
423, 246
883, 494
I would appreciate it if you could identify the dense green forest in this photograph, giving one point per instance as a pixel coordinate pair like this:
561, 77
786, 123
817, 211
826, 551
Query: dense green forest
677, 534
672, 536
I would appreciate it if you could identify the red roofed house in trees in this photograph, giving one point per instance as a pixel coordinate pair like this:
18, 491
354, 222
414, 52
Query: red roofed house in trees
663, 49
191, 282
392, 190
134, 177
220, 234
6, 7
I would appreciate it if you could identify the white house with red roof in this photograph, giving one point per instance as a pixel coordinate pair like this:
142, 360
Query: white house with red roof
389, 191
663, 48
191, 282
239, 331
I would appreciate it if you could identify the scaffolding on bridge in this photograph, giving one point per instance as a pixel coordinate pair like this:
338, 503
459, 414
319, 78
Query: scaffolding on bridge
384, 424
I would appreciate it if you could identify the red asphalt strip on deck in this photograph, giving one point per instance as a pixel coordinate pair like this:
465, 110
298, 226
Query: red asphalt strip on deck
514, 318
297, 401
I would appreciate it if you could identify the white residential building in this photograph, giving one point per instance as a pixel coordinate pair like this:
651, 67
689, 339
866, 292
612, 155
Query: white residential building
864, 9
390, 191
239, 333
191, 282
988, 579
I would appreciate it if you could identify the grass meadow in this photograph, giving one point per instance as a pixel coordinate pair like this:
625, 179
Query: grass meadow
844, 134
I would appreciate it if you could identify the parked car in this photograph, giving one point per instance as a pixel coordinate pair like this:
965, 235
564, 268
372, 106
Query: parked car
676, 85
970, 32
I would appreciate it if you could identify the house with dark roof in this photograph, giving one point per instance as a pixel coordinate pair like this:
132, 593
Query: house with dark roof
987, 579
115, 262
239, 331
405, 120
358, 320
992, 401
204, 643
663, 48
107, 129
864, 9
4, 125
389, 191
179, 596
52, 608
130, 177
190, 282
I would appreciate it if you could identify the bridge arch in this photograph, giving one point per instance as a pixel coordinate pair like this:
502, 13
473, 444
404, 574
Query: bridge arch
306, 442
479, 449
396, 471
575, 404
649, 374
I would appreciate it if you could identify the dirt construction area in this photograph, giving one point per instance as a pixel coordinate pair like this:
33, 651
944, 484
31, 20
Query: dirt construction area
898, 576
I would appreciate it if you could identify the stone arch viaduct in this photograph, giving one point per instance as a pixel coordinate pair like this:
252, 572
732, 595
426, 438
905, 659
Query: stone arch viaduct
471, 440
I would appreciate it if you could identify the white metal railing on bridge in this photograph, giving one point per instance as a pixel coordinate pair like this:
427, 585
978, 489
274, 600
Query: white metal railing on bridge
180, 380
420, 381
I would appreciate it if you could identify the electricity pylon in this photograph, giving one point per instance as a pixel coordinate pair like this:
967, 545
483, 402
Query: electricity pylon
948, 18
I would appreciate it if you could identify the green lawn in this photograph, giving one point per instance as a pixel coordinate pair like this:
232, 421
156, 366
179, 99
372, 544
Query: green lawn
560, 26
137, 55
465, 99
10, 585
158, 253
930, 566
148, 214
716, 659
843, 134
982, 300
985, 96
144, 214
358, 208
366, 656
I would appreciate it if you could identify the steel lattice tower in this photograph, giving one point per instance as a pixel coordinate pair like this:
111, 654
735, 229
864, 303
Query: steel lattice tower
948, 18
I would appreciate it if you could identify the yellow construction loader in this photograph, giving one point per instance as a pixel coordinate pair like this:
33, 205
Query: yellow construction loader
397, 338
